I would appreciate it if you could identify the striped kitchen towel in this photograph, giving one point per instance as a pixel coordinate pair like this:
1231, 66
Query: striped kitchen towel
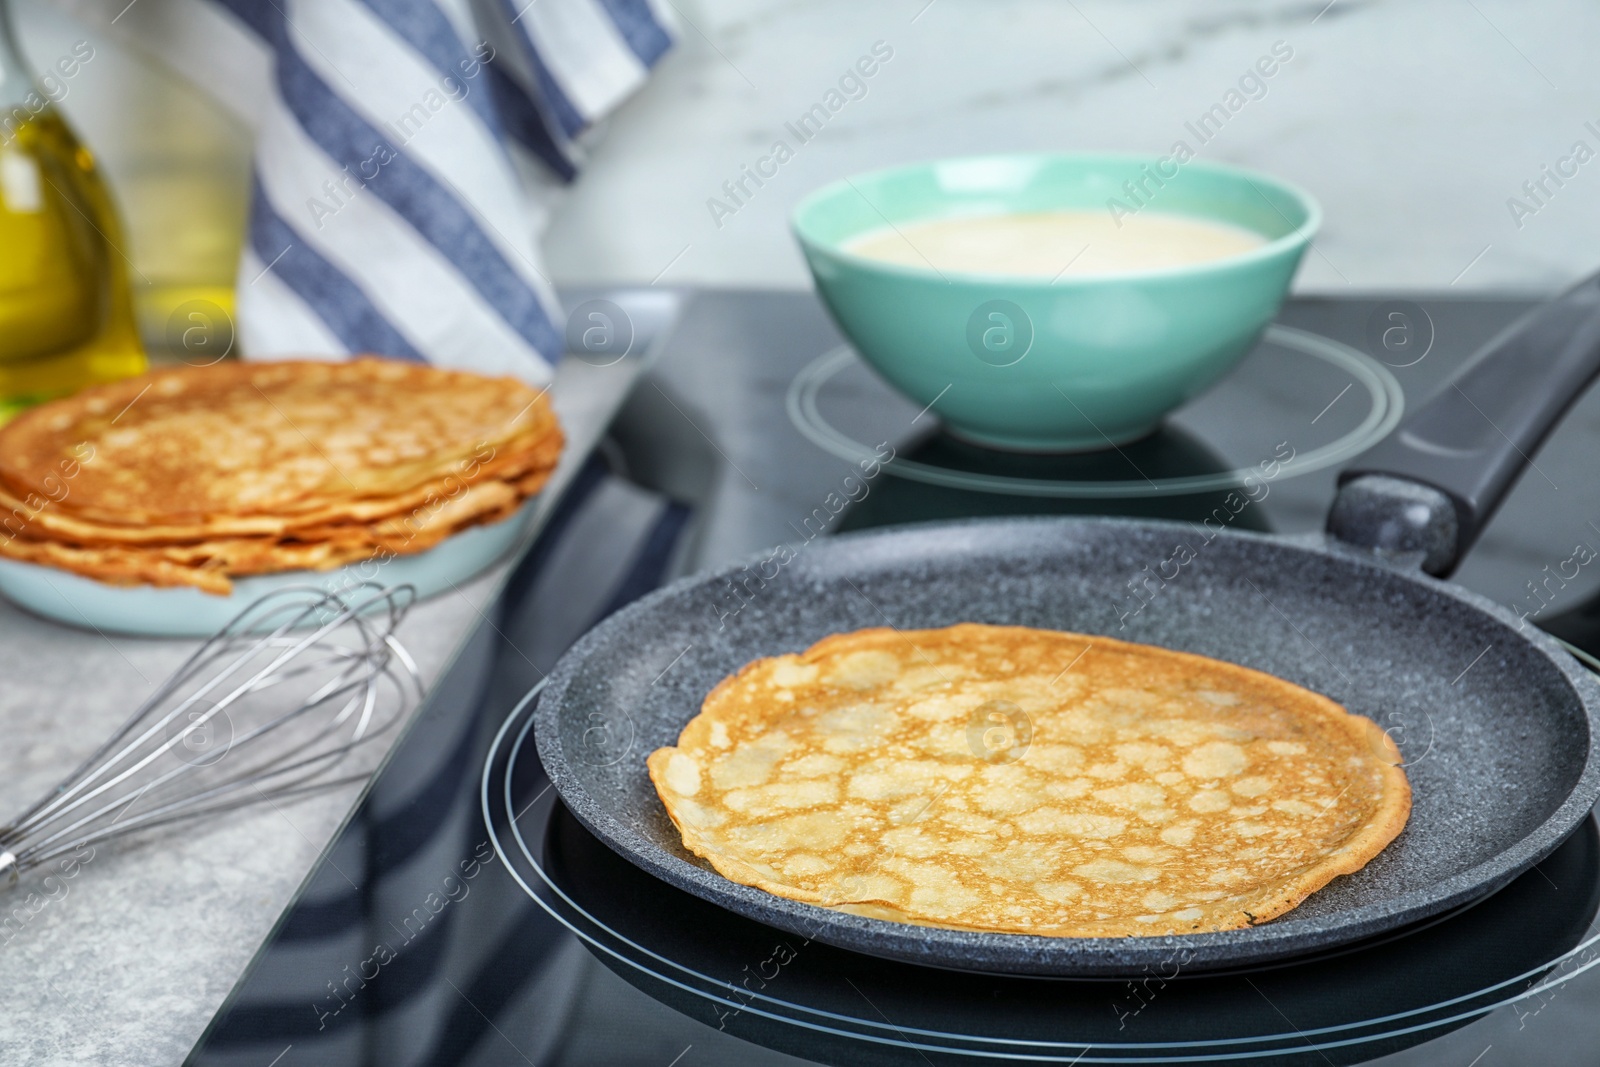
403, 150
491, 979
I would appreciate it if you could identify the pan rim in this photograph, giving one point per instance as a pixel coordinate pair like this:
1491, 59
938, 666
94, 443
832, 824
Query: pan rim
1036, 954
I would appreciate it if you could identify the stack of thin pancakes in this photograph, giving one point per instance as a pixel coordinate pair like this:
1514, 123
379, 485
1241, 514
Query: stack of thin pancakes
196, 476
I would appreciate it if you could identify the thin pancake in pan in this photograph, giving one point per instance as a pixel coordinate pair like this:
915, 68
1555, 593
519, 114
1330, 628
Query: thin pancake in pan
1016, 780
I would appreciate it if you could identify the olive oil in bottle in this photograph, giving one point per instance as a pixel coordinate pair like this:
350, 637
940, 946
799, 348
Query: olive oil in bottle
66, 316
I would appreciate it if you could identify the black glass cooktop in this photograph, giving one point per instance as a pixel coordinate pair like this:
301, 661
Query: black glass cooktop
462, 917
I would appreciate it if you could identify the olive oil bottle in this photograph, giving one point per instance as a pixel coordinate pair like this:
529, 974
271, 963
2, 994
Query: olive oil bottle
66, 314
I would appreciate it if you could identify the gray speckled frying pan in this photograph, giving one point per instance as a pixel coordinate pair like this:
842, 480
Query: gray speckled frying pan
1496, 723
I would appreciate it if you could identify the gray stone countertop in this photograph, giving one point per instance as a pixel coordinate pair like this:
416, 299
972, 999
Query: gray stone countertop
126, 960
137, 950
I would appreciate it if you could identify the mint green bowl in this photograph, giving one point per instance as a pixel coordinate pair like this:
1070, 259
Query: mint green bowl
1084, 362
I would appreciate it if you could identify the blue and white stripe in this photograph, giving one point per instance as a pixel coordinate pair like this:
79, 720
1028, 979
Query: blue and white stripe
493, 980
389, 210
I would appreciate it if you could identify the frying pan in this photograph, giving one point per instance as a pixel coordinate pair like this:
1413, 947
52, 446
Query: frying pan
1495, 721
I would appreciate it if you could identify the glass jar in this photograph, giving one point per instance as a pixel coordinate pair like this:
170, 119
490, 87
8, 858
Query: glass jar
66, 314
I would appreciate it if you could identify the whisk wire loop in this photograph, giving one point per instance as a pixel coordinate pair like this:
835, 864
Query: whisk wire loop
333, 658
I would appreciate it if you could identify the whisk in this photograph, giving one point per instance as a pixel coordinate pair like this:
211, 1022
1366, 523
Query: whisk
266, 708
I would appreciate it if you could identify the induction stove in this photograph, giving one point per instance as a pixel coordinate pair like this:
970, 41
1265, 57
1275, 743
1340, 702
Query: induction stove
462, 916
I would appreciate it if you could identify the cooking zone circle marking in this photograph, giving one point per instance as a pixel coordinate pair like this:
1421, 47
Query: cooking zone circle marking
1387, 405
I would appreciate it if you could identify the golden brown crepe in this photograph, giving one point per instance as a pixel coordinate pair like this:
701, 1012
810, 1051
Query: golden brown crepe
530, 454
210, 564
182, 444
193, 476
1017, 780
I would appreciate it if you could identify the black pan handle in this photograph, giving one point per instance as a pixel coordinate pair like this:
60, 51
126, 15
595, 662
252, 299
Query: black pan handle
1433, 483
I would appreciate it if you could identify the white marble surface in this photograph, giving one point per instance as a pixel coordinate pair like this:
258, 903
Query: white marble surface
1414, 122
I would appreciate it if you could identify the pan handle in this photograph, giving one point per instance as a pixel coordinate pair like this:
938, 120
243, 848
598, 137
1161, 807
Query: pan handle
1431, 486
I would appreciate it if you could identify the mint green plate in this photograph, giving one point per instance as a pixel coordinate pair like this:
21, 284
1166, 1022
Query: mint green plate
1082, 362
